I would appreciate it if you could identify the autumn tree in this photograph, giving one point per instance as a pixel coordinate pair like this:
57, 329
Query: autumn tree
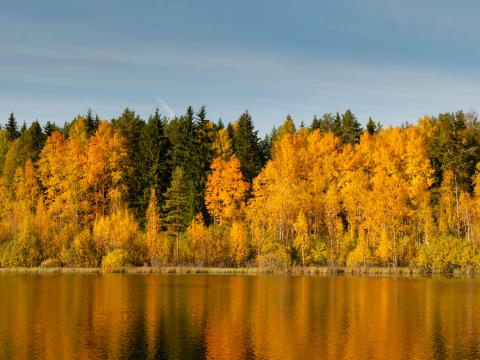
225, 190
106, 169
157, 246
238, 242
202, 246
302, 242
27, 189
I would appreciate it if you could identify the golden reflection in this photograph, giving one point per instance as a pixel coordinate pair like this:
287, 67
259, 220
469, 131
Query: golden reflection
236, 317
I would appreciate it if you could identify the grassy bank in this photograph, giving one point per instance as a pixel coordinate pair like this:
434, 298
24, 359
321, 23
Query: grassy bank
297, 271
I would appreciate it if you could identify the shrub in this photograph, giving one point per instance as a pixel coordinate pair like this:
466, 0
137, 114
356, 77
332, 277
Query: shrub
115, 261
84, 249
447, 253
51, 263
118, 230
23, 250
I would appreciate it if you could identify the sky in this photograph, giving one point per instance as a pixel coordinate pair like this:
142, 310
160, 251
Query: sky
392, 60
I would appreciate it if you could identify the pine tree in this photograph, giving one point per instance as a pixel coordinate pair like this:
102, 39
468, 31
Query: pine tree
337, 126
371, 126
204, 137
130, 126
246, 145
177, 206
180, 132
49, 128
351, 128
325, 124
23, 128
12, 127
92, 122
154, 158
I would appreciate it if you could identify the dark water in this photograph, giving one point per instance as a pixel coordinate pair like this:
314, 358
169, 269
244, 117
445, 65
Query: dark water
234, 317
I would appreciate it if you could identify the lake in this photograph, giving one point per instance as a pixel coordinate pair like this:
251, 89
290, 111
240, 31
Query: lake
75, 316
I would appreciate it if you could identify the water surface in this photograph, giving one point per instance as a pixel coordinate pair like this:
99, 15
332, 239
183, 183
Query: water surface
74, 316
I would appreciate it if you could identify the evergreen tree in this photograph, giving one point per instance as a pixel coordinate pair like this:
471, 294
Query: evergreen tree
177, 206
92, 122
315, 123
219, 125
204, 137
247, 147
129, 126
266, 145
372, 126
23, 128
154, 158
337, 126
28, 146
36, 138
454, 144
12, 127
351, 128
180, 132
49, 128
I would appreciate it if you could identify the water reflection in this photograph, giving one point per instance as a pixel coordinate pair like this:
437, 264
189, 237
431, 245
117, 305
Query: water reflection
236, 317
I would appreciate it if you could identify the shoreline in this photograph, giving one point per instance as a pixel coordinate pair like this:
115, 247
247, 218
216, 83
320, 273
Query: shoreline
292, 271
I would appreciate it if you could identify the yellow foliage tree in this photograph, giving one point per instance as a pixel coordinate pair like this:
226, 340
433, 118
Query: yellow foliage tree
225, 190
302, 237
201, 246
238, 241
26, 186
118, 230
223, 145
105, 170
157, 245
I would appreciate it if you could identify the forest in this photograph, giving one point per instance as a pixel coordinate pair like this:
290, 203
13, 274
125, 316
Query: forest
191, 191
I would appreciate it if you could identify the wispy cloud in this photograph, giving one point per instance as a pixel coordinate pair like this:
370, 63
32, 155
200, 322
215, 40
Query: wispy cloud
170, 112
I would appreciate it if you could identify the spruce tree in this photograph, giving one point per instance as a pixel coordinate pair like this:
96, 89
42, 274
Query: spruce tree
130, 126
36, 138
246, 145
49, 128
23, 128
372, 126
12, 127
204, 136
92, 122
180, 132
337, 127
176, 209
154, 158
351, 129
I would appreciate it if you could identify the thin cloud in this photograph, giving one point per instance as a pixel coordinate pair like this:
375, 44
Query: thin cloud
170, 112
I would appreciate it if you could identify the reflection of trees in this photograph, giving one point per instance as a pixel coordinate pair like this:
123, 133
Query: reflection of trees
235, 317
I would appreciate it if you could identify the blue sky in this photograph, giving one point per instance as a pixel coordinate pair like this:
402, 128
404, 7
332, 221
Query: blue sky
392, 60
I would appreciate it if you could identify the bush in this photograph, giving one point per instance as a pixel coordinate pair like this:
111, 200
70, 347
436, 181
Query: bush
447, 253
23, 250
118, 230
84, 249
115, 261
51, 263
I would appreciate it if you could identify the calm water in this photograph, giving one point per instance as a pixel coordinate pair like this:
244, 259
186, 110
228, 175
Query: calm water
235, 317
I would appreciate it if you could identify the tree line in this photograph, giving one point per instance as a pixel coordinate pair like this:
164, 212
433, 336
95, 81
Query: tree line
188, 190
